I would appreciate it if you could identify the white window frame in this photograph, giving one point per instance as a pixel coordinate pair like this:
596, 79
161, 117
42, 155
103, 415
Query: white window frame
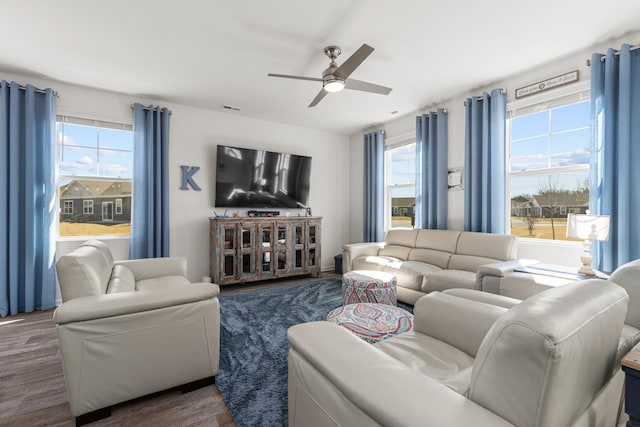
68, 207
81, 119
391, 144
563, 96
118, 206
87, 207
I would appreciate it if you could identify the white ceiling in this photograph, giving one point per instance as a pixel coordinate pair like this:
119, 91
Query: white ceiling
206, 53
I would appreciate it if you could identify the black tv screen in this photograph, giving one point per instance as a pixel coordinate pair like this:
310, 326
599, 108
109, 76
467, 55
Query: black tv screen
261, 179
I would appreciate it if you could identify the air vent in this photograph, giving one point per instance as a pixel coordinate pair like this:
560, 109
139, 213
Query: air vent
230, 107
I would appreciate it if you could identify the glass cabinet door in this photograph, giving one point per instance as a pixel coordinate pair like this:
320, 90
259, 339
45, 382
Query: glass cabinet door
312, 233
282, 252
247, 260
298, 247
265, 250
226, 252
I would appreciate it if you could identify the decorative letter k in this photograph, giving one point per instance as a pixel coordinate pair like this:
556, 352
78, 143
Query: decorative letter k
187, 177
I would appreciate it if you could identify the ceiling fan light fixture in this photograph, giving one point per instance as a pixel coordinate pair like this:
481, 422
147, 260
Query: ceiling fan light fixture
333, 85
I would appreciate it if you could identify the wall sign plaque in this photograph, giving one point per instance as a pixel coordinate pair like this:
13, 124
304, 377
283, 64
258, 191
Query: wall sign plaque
549, 83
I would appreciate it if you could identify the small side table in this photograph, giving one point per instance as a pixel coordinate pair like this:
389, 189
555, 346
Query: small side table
631, 367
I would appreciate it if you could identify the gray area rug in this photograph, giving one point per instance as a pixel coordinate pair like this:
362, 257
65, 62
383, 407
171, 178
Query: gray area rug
252, 377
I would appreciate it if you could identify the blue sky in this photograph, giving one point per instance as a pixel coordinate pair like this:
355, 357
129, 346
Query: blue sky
90, 151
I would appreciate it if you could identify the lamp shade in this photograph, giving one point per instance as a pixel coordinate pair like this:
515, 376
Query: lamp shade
588, 227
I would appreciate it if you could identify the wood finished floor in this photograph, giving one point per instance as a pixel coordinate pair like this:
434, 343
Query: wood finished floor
32, 390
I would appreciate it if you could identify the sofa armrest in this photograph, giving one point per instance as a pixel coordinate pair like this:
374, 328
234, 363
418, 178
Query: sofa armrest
354, 250
460, 322
149, 268
118, 304
628, 276
489, 275
357, 374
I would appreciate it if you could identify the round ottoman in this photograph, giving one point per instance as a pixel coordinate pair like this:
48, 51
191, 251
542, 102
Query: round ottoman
369, 286
372, 322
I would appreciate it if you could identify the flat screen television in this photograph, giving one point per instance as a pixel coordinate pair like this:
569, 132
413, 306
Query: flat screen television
247, 178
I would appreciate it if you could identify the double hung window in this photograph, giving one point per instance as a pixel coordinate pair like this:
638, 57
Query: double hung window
548, 170
400, 185
95, 170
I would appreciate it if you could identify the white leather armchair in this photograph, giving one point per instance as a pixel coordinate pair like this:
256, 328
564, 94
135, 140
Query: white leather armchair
548, 361
130, 328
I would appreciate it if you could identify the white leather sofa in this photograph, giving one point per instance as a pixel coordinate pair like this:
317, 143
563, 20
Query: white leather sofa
431, 260
130, 328
549, 361
503, 280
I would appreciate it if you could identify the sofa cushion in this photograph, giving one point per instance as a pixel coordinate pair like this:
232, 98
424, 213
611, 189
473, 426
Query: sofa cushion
439, 240
409, 273
469, 262
431, 357
395, 251
401, 238
85, 271
500, 247
372, 262
447, 279
430, 256
122, 280
164, 283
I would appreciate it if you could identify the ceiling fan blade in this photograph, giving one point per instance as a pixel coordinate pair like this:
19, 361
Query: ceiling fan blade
287, 76
318, 98
353, 61
366, 87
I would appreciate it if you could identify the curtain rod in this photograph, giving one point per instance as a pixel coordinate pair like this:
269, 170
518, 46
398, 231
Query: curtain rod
616, 53
444, 110
149, 108
21, 87
480, 97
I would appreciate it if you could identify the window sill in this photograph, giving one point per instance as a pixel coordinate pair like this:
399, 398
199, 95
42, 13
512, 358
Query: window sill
550, 242
100, 237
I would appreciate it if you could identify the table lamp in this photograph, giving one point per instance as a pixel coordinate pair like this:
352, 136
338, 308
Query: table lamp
588, 227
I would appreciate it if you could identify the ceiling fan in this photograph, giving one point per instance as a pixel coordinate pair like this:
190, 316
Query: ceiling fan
335, 78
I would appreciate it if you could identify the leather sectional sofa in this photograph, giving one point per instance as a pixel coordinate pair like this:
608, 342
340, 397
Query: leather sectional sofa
432, 260
548, 361
518, 286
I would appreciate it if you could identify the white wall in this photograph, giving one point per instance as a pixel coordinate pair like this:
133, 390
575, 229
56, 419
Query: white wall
563, 253
194, 134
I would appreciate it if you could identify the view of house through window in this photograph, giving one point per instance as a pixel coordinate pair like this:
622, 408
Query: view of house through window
401, 185
95, 169
549, 166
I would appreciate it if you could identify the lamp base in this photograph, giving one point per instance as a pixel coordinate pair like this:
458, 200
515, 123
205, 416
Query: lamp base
587, 271
586, 259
